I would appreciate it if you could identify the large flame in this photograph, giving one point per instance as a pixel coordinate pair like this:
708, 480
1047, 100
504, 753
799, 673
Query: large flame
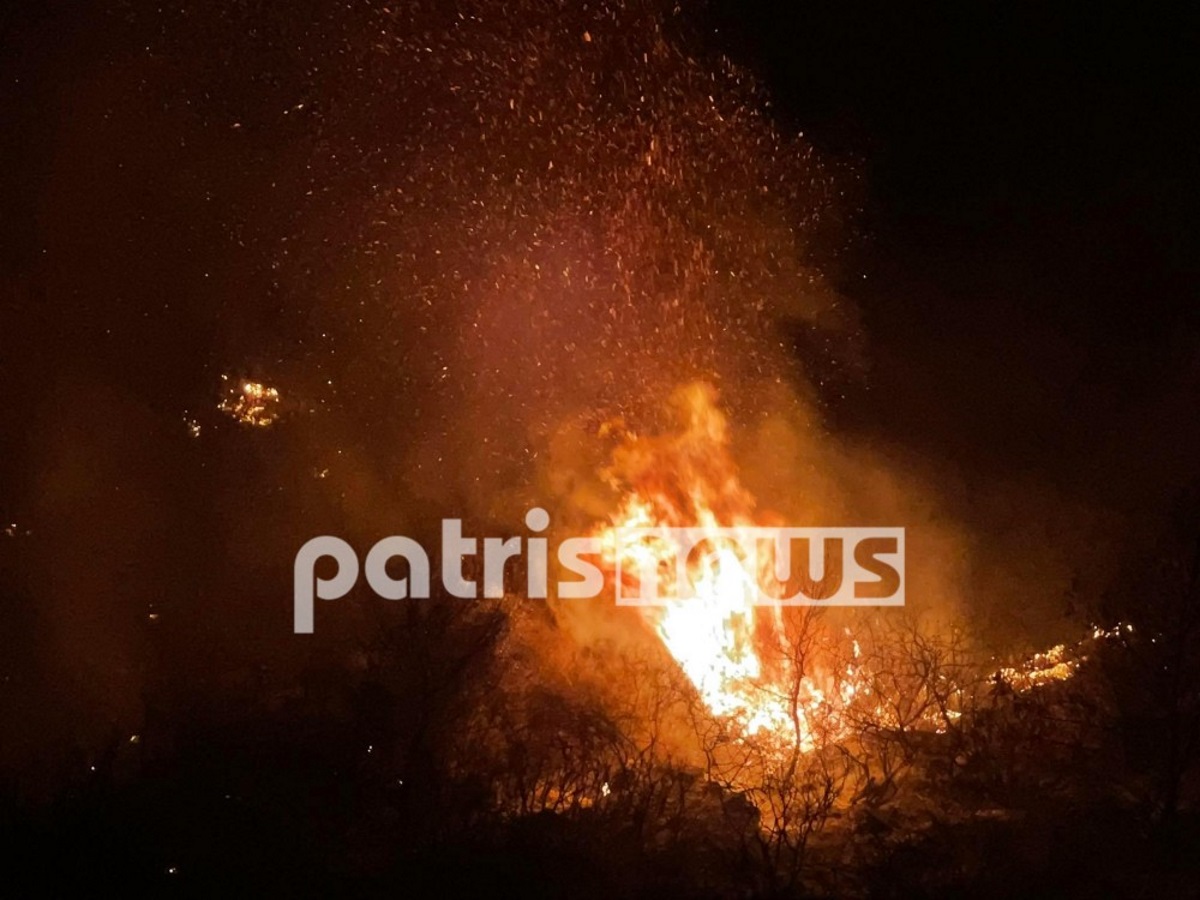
732, 649
741, 656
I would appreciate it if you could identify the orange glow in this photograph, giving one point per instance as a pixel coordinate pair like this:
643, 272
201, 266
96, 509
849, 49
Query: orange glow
743, 659
721, 640
250, 403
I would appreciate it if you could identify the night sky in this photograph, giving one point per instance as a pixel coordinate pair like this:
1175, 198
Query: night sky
1007, 199
1029, 235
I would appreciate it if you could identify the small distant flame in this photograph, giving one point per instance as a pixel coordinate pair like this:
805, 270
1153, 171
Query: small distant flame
1058, 663
252, 403
1041, 668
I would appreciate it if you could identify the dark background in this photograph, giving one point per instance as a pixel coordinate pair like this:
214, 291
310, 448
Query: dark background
1029, 274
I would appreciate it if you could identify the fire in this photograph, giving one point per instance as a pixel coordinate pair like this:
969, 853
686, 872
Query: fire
738, 654
730, 648
250, 403
1058, 663
713, 635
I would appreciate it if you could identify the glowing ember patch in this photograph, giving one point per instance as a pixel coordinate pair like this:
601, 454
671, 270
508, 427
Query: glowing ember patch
1041, 668
252, 403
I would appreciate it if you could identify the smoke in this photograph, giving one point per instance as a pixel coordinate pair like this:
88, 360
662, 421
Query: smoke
461, 242
528, 216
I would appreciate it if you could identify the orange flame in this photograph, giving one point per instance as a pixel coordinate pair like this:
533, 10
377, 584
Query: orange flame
718, 636
737, 653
